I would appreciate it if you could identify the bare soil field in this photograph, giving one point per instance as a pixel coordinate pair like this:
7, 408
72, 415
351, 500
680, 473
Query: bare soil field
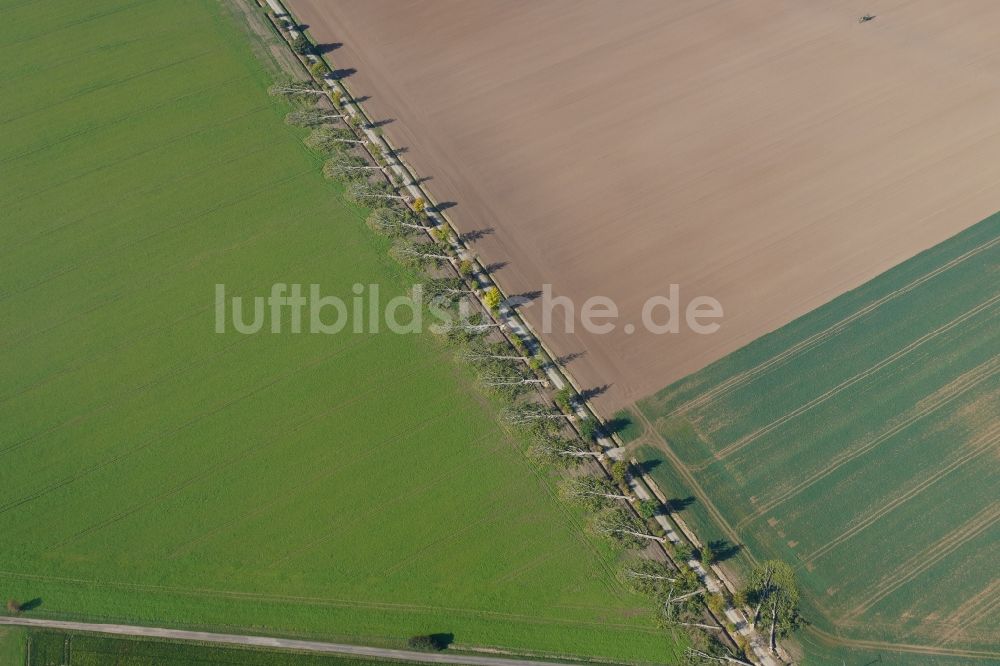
771, 155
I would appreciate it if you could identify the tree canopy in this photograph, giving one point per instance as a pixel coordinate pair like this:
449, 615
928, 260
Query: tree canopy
772, 593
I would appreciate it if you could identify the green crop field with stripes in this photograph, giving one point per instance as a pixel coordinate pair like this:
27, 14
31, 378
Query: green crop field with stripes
860, 444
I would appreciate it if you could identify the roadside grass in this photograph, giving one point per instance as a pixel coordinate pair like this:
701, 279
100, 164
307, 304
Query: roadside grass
859, 444
12, 641
346, 487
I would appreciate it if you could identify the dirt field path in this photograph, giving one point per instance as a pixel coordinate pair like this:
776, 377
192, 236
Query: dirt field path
273, 643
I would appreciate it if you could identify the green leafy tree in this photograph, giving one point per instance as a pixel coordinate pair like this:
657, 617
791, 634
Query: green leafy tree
424, 643
683, 551
492, 298
589, 428
301, 45
564, 398
442, 234
773, 594
619, 472
707, 554
648, 508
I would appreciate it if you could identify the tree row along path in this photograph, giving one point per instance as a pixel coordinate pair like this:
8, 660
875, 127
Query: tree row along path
557, 376
270, 643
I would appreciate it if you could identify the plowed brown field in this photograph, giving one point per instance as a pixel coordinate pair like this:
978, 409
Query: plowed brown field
770, 154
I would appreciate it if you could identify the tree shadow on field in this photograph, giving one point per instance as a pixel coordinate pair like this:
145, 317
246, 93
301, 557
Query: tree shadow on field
647, 466
677, 504
340, 74
723, 550
444, 205
524, 298
615, 424
381, 123
327, 48
443, 640
31, 605
470, 236
495, 266
566, 359
591, 393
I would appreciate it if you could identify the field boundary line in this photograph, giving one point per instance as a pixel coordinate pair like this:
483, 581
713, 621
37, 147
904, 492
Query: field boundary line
320, 601
940, 400
979, 447
860, 644
695, 487
750, 374
272, 643
741, 443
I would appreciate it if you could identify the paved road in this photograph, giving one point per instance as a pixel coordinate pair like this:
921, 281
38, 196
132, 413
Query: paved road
273, 643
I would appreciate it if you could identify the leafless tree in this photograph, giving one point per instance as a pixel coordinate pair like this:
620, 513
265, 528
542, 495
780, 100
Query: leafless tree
495, 380
415, 254
344, 166
330, 140
363, 191
722, 659
312, 117
590, 490
522, 414
295, 89
638, 574
479, 356
392, 222
623, 527
557, 448
483, 327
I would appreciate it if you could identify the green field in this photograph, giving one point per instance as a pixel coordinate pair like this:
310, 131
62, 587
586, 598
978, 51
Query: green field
860, 443
50, 648
349, 487
12, 641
